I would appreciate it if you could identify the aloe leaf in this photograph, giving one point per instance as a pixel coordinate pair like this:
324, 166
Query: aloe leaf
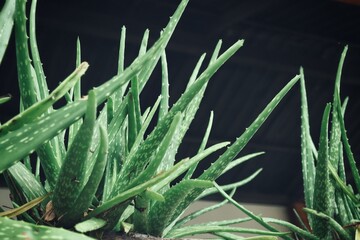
20, 210
202, 145
342, 185
40, 76
75, 93
83, 201
188, 231
241, 160
26, 82
164, 106
6, 25
331, 222
220, 164
14, 229
307, 159
89, 225
335, 134
348, 151
161, 212
321, 188
258, 219
71, 179
303, 233
4, 99
196, 70
152, 195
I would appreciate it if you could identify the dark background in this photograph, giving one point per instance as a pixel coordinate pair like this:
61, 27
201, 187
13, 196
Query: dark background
280, 36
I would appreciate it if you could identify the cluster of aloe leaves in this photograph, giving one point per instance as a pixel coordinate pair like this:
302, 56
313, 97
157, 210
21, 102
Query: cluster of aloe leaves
100, 171
331, 202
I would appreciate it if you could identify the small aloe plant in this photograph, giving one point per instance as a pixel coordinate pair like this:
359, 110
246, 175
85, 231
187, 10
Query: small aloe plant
105, 175
331, 203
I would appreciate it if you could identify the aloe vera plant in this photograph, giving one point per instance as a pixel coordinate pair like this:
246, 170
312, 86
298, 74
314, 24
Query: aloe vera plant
106, 175
331, 202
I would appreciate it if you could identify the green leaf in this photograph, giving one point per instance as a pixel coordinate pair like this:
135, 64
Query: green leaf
321, 189
307, 158
202, 145
71, 179
164, 106
84, 200
348, 151
14, 229
90, 225
6, 25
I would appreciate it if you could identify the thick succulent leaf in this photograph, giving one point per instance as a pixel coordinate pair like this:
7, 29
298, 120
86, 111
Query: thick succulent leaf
40, 76
28, 92
75, 94
71, 179
222, 162
307, 159
335, 133
83, 201
13, 229
90, 225
6, 25
164, 106
321, 189
161, 212
189, 231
